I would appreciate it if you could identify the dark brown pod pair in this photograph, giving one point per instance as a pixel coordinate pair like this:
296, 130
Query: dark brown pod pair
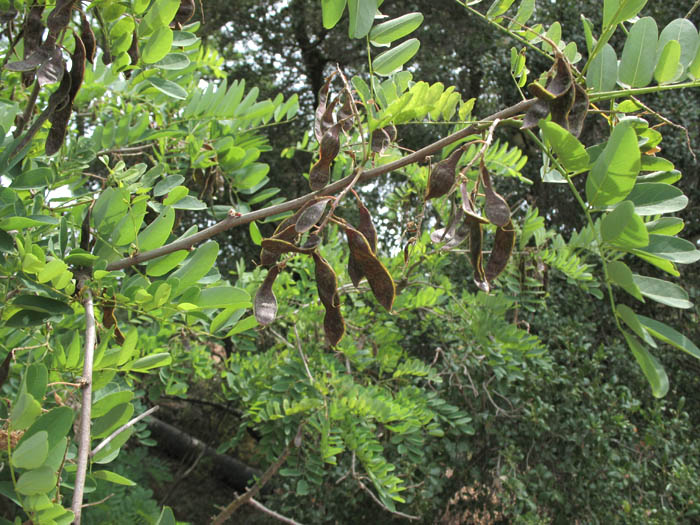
366, 228
346, 116
382, 138
371, 267
442, 176
327, 285
566, 101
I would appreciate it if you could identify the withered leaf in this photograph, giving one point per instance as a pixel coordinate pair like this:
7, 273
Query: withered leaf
311, 215
87, 35
503, 245
476, 240
442, 176
579, 110
496, 207
333, 326
377, 275
265, 304
366, 226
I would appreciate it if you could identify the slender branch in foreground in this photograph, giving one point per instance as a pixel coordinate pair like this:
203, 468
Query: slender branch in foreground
235, 220
121, 429
272, 513
267, 476
86, 405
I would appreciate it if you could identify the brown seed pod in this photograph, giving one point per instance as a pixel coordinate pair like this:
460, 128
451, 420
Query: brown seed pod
333, 326
319, 175
377, 275
468, 205
133, 50
382, 138
345, 114
579, 110
59, 18
265, 303
560, 107
279, 247
354, 271
321, 108
32, 34
442, 176
537, 111
496, 207
87, 35
503, 245
51, 70
311, 215
326, 282
476, 240
366, 226
184, 12
330, 144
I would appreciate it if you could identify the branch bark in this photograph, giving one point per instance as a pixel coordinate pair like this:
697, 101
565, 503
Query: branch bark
86, 405
233, 221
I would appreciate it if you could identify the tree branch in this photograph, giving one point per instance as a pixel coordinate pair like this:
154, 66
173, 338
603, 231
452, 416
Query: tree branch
121, 429
233, 221
267, 476
86, 405
272, 513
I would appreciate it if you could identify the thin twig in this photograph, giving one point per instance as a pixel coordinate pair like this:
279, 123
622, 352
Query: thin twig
267, 476
28, 110
96, 503
234, 220
692, 9
279, 517
670, 123
86, 405
378, 502
301, 353
121, 429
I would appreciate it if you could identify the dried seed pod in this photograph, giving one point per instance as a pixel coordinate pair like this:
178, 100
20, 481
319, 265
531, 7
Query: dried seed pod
503, 245
59, 18
496, 207
87, 35
563, 80
345, 114
327, 117
330, 144
32, 33
311, 215
354, 271
52, 69
579, 110
133, 50
377, 275
279, 247
321, 108
468, 205
476, 240
366, 226
557, 98
265, 304
382, 138
313, 242
442, 176
537, 111
32, 62
561, 107
184, 12
319, 175
326, 282
333, 326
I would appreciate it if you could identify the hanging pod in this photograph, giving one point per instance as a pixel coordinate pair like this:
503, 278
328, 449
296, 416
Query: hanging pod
496, 208
265, 303
377, 275
442, 176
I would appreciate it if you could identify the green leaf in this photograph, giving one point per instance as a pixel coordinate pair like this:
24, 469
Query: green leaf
655, 198
168, 87
162, 265
37, 481
112, 420
393, 59
35, 379
156, 233
621, 275
158, 45
613, 173
198, 265
255, 234
525, 11
623, 227
113, 477
109, 208
361, 17
632, 321
128, 227
222, 296
651, 368
664, 264
672, 248
51, 270
20, 223
616, 11
682, 31
80, 257
35, 179
173, 62
32, 452
665, 333
332, 11
667, 67
391, 30
148, 362
639, 54
167, 184
665, 226
167, 517
111, 450
24, 411
663, 292
108, 402
184, 38
572, 154
243, 325
497, 8
26, 318
57, 422
42, 303
602, 73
